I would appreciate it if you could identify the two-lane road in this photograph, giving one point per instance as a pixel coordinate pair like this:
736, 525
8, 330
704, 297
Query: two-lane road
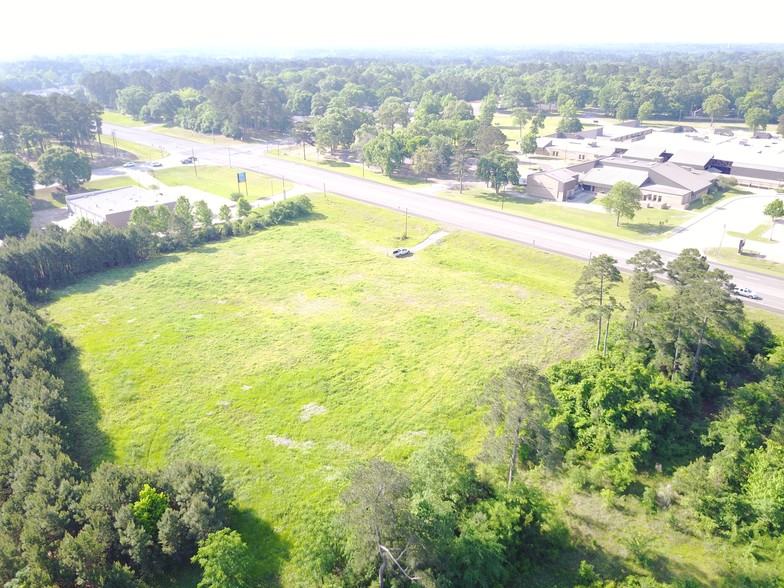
545, 236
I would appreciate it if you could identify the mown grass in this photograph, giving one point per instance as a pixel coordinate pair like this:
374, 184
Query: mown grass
755, 234
119, 181
649, 224
313, 158
181, 133
214, 354
222, 181
48, 197
141, 152
749, 259
123, 120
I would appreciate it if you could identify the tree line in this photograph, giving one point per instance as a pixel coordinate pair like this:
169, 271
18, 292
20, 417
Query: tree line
54, 258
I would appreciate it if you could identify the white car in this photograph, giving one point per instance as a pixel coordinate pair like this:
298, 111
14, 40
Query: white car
746, 293
128, 164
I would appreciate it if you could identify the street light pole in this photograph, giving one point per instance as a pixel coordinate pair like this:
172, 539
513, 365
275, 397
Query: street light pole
724, 228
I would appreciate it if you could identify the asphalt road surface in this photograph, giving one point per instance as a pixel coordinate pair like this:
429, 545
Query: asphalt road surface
452, 215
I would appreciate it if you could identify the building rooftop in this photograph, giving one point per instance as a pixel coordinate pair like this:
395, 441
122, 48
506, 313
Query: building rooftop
611, 175
106, 202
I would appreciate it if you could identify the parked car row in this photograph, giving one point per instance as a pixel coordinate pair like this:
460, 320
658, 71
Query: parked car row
133, 164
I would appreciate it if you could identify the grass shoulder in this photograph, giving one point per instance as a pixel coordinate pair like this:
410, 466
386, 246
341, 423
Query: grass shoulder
349, 168
123, 120
222, 181
749, 259
181, 133
131, 149
649, 224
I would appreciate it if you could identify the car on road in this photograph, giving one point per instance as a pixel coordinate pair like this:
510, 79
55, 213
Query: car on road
128, 164
188, 160
746, 293
402, 252
157, 164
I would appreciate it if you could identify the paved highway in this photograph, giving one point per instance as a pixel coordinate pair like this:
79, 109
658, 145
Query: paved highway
551, 238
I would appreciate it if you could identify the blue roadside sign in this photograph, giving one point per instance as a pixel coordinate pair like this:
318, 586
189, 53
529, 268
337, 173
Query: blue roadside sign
241, 177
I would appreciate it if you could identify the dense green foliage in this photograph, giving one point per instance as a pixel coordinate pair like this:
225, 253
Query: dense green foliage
435, 523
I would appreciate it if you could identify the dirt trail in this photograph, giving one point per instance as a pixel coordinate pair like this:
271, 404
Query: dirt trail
434, 238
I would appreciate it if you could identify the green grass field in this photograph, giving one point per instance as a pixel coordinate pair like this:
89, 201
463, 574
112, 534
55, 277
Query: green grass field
287, 356
221, 181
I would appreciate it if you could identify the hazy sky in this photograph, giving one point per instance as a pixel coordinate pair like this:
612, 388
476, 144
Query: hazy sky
49, 27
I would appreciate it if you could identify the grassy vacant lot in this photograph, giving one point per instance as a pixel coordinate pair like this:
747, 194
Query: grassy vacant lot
289, 355
648, 224
221, 181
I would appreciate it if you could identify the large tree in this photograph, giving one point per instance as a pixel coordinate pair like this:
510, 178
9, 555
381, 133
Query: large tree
16, 175
488, 138
520, 117
384, 151
64, 166
393, 111
521, 406
132, 99
775, 210
528, 144
593, 292
16, 214
623, 199
226, 561
497, 170
379, 521
702, 302
716, 106
757, 118
569, 122
643, 290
